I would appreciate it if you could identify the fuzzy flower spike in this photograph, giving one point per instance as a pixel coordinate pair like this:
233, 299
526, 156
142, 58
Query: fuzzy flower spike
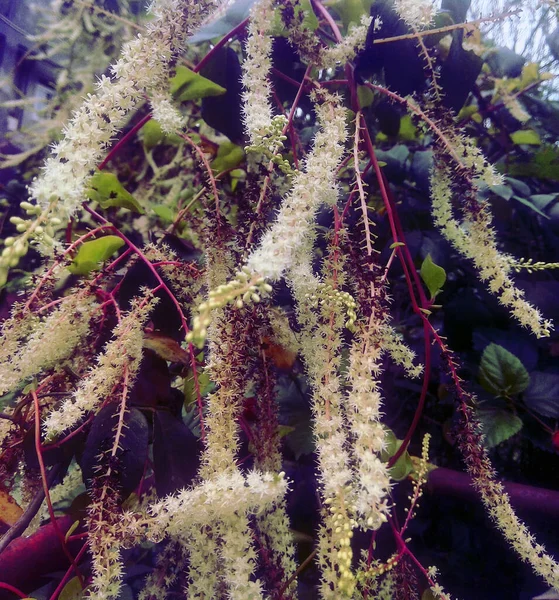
142, 70
312, 187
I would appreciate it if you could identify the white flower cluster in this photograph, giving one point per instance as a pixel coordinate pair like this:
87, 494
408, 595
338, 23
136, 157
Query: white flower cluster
273, 524
322, 360
218, 499
171, 561
372, 480
475, 239
311, 188
106, 526
346, 50
166, 113
51, 341
13, 332
321, 345
498, 505
400, 352
418, 14
203, 563
257, 109
239, 559
123, 352
7, 428
142, 69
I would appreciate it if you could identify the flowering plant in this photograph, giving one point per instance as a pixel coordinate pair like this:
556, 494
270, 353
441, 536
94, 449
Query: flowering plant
221, 236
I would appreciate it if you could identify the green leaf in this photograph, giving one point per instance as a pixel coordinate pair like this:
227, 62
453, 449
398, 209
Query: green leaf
519, 186
164, 212
152, 134
531, 205
498, 425
350, 11
30, 387
106, 189
433, 276
228, 156
501, 372
365, 96
542, 201
70, 531
530, 74
544, 165
310, 20
91, 254
165, 347
188, 85
284, 430
526, 136
189, 389
408, 131
543, 394
72, 590
404, 465
503, 191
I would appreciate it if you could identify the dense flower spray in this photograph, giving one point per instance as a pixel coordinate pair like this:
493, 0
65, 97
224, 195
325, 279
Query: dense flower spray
73, 352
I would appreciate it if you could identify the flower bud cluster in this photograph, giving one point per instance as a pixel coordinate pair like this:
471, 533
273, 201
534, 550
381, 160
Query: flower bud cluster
342, 301
244, 288
420, 476
377, 568
530, 266
40, 228
269, 142
400, 352
337, 532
